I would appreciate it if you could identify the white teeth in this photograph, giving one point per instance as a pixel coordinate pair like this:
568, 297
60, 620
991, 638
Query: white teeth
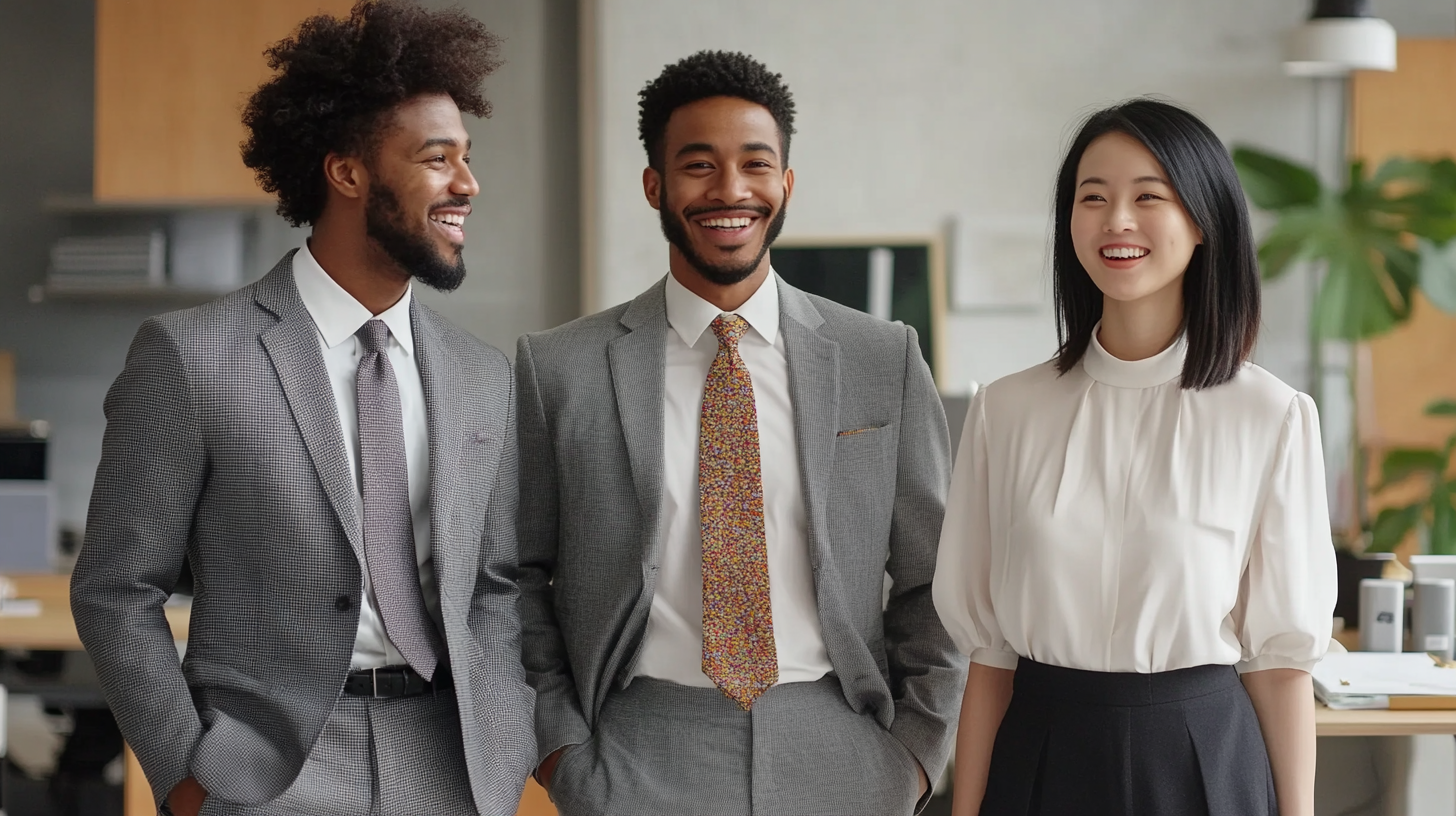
726, 223
452, 219
1121, 253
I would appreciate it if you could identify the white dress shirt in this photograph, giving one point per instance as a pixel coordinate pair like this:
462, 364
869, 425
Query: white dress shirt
672, 647
1109, 520
338, 315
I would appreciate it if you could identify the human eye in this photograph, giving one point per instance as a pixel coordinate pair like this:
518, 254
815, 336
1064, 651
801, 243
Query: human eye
1149, 197
435, 160
1093, 198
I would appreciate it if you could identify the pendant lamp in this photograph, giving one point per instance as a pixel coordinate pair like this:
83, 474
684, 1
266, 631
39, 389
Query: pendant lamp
1339, 37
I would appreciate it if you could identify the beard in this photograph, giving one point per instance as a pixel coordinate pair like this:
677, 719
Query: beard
385, 224
721, 274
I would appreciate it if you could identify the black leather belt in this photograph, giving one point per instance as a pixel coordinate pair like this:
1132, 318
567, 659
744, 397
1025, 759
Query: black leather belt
395, 681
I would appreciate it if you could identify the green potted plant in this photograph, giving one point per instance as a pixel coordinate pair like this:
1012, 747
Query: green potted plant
1383, 236
1435, 513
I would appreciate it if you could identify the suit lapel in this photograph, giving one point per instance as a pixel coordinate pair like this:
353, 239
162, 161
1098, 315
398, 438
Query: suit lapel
441, 377
293, 347
637, 362
814, 389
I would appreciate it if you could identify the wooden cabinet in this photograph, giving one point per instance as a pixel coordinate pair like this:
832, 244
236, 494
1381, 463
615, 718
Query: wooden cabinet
1410, 112
172, 77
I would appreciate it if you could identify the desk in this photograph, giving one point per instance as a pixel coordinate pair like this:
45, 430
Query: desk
1331, 723
55, 629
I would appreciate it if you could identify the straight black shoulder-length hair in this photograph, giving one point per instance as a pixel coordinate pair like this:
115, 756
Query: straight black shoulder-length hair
1221, 284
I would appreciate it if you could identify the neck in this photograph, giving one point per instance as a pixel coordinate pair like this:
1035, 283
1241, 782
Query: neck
726, 298
1142, 328
342, 247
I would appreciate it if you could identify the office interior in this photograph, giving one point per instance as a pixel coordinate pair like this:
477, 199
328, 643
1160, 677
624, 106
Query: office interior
935, 125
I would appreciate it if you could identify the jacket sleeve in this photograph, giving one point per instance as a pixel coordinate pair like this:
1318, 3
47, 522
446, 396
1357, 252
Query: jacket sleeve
153, 468
927, 673
559, 718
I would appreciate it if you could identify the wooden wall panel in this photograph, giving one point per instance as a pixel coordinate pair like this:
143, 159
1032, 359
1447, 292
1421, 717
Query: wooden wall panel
1409, 112
171, 80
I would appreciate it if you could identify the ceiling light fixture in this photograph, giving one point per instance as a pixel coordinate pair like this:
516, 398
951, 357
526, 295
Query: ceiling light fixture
1339, 37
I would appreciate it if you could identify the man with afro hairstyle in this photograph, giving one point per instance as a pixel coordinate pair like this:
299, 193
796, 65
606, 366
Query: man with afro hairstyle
336, 462
716, 479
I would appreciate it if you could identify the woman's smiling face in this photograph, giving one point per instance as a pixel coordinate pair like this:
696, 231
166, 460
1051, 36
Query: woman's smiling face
1129, 228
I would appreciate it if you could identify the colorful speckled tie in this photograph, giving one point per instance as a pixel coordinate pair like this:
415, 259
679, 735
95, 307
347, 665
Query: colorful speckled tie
739, 654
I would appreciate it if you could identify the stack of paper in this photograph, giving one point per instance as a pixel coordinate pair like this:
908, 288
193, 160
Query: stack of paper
1410, 680
110, 261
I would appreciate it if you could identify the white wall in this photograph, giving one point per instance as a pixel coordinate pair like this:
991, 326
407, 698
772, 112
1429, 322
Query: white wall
916, 112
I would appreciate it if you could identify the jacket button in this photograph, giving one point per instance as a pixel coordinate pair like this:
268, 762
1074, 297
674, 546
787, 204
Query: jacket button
343, 603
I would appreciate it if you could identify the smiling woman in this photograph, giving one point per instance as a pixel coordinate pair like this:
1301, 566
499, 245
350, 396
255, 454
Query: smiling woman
1139, 524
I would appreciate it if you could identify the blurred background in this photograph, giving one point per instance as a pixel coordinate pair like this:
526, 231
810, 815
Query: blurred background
929, 132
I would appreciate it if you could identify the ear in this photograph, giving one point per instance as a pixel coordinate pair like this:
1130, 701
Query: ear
652, 187
788, 185
346, 175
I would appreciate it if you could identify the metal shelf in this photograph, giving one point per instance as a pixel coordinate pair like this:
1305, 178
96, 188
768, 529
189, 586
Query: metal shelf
64, 204
42, 292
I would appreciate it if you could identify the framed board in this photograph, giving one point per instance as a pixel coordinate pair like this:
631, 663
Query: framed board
891, 277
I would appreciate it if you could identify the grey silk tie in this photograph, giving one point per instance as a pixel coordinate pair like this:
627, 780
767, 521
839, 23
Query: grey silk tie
389, 537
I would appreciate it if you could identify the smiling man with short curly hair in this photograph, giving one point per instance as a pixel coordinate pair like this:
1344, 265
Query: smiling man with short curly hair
336, 462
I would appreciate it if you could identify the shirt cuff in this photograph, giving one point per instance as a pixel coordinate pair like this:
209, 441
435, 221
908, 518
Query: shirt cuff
996, 658
1274, 661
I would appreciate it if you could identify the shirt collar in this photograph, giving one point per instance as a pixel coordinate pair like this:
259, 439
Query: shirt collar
690, 315
1163, 367
336, 313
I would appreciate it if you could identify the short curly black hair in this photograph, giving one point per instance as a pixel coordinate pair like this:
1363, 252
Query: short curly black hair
336, 78
708, 74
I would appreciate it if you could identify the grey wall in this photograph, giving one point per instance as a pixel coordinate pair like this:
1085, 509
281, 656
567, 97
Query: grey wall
523, 235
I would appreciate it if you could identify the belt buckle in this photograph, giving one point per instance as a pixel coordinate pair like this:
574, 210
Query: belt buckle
374, 676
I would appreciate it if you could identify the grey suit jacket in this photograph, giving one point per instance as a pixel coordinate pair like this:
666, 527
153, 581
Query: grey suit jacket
590, 409
223, 443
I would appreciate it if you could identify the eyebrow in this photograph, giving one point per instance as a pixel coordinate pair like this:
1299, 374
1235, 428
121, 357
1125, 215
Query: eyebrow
1138, 180
746, 147
442, 141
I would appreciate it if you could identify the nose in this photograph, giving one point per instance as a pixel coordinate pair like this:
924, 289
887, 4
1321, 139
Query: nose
464, 183
1120, 218
730, 185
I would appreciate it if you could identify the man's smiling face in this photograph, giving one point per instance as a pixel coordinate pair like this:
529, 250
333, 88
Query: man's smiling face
722, 189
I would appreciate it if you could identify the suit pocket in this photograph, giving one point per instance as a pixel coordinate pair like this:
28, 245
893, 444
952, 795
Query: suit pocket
561, 779
867, 429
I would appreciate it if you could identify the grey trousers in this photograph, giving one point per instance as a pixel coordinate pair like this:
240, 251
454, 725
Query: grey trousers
399, 757
661, 748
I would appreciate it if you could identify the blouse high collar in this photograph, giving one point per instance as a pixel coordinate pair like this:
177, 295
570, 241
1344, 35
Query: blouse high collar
1163, 367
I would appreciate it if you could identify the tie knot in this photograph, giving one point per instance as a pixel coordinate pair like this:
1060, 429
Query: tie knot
374, 335
729, 329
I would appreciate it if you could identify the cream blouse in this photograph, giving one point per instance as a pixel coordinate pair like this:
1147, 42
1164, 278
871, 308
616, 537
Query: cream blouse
1112, 521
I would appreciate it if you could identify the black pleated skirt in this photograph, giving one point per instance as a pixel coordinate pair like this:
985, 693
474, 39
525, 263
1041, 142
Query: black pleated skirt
1081, 743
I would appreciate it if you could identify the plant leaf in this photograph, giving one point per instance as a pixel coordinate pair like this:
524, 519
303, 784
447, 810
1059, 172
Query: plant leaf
1402, 463
1441, 407
1293, 238
1438, 274
1392, 526
1443, 522
1273, 183
1398, 168
1353, 304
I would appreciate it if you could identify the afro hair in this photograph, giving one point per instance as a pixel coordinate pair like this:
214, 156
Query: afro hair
337, 78
707, 74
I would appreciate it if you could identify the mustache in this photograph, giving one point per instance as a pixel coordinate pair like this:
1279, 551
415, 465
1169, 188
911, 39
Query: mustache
760, 209
450, 202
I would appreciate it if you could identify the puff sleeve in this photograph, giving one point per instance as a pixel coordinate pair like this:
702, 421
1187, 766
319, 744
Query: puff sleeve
1287, 593
963, 568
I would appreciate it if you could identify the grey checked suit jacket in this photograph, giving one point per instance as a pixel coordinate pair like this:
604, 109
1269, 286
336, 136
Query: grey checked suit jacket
223, 443
591, 411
